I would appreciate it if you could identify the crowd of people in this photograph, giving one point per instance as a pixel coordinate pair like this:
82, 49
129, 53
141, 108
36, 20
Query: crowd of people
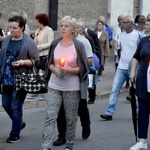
84, 52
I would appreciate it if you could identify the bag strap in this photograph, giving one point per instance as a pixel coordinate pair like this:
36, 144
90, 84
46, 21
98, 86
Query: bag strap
34, 69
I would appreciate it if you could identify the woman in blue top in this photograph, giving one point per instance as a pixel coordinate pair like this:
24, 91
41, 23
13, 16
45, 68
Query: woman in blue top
142, 59
16, 52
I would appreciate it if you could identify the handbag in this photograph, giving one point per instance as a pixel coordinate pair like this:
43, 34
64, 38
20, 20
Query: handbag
33, 82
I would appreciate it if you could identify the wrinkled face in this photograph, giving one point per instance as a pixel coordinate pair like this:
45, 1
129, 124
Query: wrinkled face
120, 23
79, 29
66, 29
126, 23
147, 25
15, 30
100, 26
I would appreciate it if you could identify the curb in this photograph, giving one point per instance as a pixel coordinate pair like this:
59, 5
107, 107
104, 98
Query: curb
105, 95
35, 103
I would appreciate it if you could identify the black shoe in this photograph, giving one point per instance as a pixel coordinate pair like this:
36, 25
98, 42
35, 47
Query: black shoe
13, 138
128, 98
85, 133
90, 102
59, 142
47, 148
23, 125
105, 116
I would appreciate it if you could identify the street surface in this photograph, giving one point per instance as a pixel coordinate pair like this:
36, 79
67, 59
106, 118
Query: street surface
105, 135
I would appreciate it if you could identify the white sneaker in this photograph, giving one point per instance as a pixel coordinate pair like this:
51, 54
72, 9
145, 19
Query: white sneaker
139, 146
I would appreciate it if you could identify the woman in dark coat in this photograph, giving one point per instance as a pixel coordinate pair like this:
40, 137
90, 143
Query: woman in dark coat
142, 59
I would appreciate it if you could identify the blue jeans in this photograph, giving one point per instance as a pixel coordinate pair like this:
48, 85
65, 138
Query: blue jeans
12, 102
120, 77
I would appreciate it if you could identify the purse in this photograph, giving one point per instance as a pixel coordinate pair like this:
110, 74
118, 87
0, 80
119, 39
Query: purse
33, 82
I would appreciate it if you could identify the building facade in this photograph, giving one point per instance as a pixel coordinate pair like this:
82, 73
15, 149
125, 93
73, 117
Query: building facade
90, 10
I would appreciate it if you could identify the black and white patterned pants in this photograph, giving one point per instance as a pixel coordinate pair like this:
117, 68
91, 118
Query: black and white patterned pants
70, 100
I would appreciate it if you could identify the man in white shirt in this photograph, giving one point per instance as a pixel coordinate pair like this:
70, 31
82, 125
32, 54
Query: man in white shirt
128, 42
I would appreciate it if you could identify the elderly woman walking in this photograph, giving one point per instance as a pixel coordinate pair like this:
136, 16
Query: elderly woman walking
67, 83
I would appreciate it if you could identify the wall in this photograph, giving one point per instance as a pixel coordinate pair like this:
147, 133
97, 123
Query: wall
31, 7
90, 10
76, 8
145, 7
116, 8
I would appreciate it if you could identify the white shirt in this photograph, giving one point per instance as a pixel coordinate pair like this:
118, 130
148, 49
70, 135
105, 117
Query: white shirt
99, 33
87, 45
128, 43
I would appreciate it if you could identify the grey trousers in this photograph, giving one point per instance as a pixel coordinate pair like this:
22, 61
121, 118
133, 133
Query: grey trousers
70, 100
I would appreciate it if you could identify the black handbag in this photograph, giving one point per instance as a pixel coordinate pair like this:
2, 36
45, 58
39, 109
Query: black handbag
33, 82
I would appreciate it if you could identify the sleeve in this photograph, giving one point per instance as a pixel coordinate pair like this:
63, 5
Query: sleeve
33, 52
50, 38
88, 48
119, 41
138, 50
107, 44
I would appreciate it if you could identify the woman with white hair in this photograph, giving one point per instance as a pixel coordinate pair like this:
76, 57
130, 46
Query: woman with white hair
68, 80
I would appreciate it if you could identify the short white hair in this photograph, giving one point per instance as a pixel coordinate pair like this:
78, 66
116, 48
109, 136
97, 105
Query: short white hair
72, 21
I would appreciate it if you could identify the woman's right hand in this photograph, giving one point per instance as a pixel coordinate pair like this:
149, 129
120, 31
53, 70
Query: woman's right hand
133, 70
58, 73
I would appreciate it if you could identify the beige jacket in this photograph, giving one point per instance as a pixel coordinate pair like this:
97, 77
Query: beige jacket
43, 39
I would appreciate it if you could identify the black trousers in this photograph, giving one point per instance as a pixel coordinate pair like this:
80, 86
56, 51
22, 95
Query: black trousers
83, 113
92, 94
143, 117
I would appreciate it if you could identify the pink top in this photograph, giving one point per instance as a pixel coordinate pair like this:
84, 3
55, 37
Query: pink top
69, 82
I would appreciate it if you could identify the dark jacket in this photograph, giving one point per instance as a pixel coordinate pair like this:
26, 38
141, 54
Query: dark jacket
1, 34
93, 35
82, 59
28, 51
142, 55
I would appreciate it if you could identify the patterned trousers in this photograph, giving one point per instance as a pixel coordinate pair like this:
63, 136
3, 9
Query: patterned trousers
70, 100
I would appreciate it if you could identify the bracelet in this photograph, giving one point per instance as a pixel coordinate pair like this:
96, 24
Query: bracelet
22, 62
